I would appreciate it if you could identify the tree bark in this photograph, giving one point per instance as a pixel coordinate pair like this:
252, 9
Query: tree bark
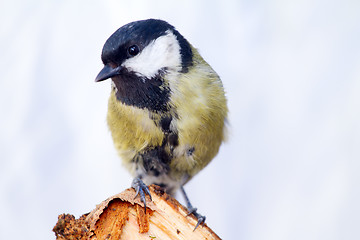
123, 217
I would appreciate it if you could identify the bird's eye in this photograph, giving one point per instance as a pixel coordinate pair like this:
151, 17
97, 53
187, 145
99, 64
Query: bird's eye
133, 50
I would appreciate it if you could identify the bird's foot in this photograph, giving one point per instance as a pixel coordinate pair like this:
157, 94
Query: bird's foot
192, 210
201, 219
141, 189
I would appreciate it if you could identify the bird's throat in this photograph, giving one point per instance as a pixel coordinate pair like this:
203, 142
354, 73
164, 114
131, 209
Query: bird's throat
142, 92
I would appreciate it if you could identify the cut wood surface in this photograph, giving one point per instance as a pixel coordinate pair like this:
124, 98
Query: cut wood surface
123, 217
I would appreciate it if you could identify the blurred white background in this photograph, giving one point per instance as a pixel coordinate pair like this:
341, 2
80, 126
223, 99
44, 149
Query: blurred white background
291, 69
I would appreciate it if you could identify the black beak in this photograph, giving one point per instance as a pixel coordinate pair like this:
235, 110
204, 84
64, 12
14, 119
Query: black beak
107, 72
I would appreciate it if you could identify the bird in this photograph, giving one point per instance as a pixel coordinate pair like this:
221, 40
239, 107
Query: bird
167, 110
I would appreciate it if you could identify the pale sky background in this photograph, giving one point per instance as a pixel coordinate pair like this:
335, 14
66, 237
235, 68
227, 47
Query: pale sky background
291, 70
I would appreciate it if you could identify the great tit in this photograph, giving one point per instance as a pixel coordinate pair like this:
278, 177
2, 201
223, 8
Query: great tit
167, 107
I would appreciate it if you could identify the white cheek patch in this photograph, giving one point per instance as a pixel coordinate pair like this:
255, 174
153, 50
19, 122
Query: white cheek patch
164, 52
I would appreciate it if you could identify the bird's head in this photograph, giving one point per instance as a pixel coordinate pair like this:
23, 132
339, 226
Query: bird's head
145, 49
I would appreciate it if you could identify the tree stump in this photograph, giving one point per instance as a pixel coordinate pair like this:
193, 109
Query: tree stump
123, 217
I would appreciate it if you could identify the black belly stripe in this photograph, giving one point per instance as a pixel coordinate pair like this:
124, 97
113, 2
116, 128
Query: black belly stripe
156, 161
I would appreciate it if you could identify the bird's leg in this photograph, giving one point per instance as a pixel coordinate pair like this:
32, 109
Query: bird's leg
141, 189
192, 210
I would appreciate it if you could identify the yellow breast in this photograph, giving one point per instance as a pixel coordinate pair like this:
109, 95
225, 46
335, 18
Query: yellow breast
131, 128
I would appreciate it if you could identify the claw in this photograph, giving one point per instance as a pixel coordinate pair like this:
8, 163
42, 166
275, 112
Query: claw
137, 189
201, 220
140, 187
147, 192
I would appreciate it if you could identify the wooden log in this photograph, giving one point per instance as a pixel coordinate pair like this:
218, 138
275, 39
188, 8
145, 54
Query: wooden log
123, 217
